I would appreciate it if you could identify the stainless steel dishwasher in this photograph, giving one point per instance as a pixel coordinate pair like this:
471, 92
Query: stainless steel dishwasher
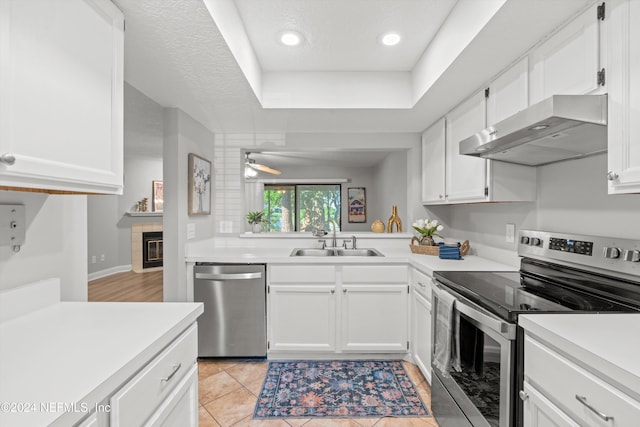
234, 320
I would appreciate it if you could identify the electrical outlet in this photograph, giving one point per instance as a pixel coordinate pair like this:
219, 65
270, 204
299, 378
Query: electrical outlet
93, 259
102, 258
191, 231
510, 231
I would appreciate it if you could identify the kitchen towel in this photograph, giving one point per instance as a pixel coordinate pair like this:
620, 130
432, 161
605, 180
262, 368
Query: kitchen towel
449, 250
446, 349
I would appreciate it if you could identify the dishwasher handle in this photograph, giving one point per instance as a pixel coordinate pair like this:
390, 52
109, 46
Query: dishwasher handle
228, 276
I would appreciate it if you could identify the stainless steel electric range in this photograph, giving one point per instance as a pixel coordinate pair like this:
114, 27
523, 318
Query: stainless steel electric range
559, 273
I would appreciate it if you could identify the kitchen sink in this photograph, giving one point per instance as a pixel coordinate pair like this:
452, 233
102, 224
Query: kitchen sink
335, 252
357, 252
312, 252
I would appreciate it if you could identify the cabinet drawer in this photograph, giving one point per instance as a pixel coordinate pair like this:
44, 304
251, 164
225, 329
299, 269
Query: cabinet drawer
375, 274
421, 283
302, 274
137, 400
560, 380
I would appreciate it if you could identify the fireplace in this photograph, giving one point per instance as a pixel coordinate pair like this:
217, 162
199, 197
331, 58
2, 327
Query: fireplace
152, 249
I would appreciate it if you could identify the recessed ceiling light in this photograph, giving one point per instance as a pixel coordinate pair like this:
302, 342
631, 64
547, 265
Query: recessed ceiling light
390, 39
290, 38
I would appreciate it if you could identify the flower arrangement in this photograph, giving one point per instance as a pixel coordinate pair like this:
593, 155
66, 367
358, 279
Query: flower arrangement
427, 230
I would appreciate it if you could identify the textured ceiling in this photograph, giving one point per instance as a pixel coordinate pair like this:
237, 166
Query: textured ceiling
341, 35
175, 54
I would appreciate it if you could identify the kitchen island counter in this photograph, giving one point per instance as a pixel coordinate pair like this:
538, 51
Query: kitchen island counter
60, 361
603, 344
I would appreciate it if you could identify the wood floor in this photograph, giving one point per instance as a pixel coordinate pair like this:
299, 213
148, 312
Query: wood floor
127, 287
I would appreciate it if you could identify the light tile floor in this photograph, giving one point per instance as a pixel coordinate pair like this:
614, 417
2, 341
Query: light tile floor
228, 391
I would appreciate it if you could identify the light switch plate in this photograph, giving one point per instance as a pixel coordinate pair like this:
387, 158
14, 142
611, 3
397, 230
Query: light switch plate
191, 231
510, 231
12, 225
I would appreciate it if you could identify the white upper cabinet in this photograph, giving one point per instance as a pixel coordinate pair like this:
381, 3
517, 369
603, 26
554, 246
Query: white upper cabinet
465, 175
467, 179
433, 163
623, 71
508, 93
568, 63
61, 95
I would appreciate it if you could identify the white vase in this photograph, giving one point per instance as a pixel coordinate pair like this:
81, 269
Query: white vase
256, 228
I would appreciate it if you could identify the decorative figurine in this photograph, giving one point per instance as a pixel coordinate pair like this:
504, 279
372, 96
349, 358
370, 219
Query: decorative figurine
395, 219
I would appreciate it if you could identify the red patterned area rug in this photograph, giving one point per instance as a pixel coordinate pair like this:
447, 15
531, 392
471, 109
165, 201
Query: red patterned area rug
338, 389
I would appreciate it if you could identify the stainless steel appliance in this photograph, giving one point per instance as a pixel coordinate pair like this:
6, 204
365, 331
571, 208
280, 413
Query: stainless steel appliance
561, 127
559, 273
234, 320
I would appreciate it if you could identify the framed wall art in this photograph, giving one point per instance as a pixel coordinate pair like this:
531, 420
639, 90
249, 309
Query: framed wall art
357, 204
157, 201
199, 185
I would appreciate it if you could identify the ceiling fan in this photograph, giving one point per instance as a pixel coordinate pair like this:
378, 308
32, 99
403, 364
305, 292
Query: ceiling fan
250, 164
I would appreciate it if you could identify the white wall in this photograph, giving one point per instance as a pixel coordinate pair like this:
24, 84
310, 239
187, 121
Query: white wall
572, 197
182, 135
55, 243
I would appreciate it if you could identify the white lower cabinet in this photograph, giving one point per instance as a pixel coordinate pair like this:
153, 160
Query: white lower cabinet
374, 318
165, 391
539, 412
338, 309
558, 391
421, 322
302, 317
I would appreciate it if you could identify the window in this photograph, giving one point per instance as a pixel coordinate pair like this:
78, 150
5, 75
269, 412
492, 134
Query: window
302, 207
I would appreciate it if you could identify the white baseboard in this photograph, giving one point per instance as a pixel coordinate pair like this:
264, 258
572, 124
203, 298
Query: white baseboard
109, 271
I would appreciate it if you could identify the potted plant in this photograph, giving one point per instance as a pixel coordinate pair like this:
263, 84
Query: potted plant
256, 219
427, 230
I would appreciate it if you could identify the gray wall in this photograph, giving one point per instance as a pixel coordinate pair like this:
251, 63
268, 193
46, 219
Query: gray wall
572, 197
391, 187
182, 135
109, 229
55, 243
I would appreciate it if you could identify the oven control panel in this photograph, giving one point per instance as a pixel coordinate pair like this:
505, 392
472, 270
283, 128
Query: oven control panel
616, 255
569, 245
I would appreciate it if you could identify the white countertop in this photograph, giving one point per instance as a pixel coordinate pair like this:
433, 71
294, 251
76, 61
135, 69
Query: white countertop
279, 255
606, 344
75, 352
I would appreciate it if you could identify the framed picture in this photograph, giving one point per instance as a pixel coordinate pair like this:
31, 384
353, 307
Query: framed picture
357, 204
157, 201
199, 185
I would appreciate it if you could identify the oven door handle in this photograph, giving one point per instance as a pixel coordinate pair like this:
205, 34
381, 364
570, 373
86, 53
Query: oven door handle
480, 315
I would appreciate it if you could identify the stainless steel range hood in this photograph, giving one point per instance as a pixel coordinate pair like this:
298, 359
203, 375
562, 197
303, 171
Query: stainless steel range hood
561, 127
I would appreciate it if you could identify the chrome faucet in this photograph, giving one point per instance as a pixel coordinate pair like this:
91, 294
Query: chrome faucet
353, 242
334, 242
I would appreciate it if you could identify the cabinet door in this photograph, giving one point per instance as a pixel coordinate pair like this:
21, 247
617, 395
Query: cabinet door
624, 97
302, 317
466, 175
568, 62
433, 163
180, 409
539, 412
509, 93
61, 95
374, 318
421, 344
